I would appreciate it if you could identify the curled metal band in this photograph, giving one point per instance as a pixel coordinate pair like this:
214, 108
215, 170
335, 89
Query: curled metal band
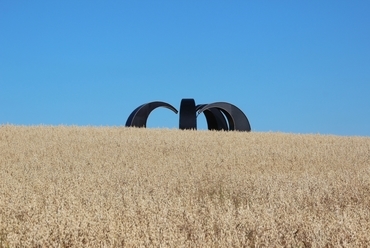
219, 115
235, 117
140, 115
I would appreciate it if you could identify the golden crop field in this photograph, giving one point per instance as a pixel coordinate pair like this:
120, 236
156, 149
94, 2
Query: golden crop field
70, 186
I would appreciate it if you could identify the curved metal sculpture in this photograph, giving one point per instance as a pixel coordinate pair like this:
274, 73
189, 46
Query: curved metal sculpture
139, 116
219, 115
236, 118
214, 117
188, 118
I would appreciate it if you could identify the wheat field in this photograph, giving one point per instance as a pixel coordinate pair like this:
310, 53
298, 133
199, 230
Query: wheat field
70, 186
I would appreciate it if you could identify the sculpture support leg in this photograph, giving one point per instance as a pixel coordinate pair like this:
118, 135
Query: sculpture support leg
188, 118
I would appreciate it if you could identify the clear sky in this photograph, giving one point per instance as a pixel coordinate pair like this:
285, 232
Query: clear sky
290, 66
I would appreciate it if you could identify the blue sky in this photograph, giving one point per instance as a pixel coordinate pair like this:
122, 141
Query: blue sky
290, 66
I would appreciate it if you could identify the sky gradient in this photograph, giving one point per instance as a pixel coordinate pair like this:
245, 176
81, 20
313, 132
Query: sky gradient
290, 66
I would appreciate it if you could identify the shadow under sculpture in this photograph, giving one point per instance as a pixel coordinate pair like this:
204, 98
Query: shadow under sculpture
215, 114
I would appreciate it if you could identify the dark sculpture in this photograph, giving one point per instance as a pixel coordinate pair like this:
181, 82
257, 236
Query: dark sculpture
139, 116
188, 118
219, 115
236, 118
215, 119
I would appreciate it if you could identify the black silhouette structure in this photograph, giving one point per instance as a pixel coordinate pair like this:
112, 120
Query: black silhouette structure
215, 119
188, 118
235, 117
140, 115
219, 115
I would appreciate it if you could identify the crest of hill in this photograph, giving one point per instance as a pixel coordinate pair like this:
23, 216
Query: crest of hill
117, 186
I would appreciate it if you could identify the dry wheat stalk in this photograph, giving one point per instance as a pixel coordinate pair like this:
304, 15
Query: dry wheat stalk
114, 186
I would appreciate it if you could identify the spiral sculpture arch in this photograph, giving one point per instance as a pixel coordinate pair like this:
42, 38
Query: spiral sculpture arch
219, 115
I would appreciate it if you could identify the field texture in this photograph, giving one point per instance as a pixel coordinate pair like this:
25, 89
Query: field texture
127, 187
